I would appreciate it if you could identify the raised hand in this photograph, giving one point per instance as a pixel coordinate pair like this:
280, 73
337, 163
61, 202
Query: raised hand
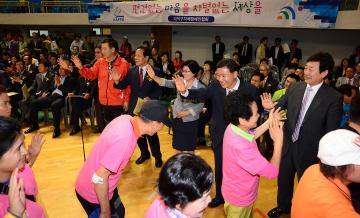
180, 84
76, 60
115, 75
37, 141
277, 114
276, 132
63, 64
266, 101
16, 194
150, 71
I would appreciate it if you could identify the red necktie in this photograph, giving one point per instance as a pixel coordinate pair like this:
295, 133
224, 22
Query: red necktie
141, 75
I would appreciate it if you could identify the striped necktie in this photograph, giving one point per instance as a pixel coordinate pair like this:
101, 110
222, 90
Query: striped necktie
305, 100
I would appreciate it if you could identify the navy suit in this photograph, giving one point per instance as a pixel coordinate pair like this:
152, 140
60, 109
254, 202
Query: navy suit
216, 94
323, 116
149, 89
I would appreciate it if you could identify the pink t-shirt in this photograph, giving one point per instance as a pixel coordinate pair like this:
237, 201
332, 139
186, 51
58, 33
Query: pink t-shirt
157, 209
33, 210
30, 186
113, 151
242, 166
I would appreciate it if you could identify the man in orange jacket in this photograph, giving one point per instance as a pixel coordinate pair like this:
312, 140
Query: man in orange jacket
113, 101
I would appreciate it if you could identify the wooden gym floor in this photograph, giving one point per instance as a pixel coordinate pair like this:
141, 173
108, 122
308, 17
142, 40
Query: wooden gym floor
61, 159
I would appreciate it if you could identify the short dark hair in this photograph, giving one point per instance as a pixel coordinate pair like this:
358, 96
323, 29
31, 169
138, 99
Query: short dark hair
355, 110
20, 60
346, 89
332, 172
53, 54
293, 76
211, 64
2, 89
229, 63
193, 66
112, 43
9, 130
264, 59
257, 73
352, 67
146, 51
246, 38
325, 59
293, 66
165, 53
183, 179
238, 105
263, 39
180, 53
295, 41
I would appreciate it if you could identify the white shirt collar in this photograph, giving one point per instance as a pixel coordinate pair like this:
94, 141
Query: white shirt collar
315, 88
236, 87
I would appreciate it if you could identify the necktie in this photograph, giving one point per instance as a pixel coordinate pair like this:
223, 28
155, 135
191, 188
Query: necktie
243, 53
302, 113
141, 77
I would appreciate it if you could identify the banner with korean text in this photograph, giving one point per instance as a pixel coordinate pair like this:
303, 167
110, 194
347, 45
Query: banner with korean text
253, 13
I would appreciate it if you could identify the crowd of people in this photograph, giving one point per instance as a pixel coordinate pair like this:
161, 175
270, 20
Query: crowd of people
279, 120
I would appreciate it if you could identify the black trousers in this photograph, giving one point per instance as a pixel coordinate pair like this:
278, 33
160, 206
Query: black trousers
218, 157
116, 205
154, 146
54, 102
111, 112
78, 105
99, 113
287, 170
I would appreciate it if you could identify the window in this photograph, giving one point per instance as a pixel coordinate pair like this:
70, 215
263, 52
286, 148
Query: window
40, 32
100, 31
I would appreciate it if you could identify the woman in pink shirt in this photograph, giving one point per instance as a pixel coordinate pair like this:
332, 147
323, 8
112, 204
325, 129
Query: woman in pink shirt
241, 154
13, 158
184, 188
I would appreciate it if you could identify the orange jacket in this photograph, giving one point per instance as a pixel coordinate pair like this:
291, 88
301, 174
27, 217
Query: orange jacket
108, 95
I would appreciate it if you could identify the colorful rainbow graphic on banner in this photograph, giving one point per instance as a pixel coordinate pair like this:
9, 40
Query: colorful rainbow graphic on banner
287, 13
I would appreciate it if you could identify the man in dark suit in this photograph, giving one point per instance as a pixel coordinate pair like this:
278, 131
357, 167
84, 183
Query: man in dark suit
154, 42
245, 51
21, 78
218, 49
166, 67
31, 68
295, 52
227, 82
277, 53
53, 98
313, 109
54, 66
355, 58
269, 84
145, 88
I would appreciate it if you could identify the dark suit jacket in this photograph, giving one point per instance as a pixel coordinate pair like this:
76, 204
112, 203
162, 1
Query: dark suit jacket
216, 94
352, 60
248, 56
41, 86
156, 44
280, 57
297, 53
67, 86
221, 49
149, 87
27, 78
54, 69
323, 116
271, 85
170, 67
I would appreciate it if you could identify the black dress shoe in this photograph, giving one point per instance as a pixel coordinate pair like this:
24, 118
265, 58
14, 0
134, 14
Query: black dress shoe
158, 163
32, 129
276, 212
216, 202
56, 134
75, 130
141, 159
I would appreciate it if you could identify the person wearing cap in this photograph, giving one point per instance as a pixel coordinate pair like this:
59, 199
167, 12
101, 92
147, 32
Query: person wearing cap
98, 178
322, 191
